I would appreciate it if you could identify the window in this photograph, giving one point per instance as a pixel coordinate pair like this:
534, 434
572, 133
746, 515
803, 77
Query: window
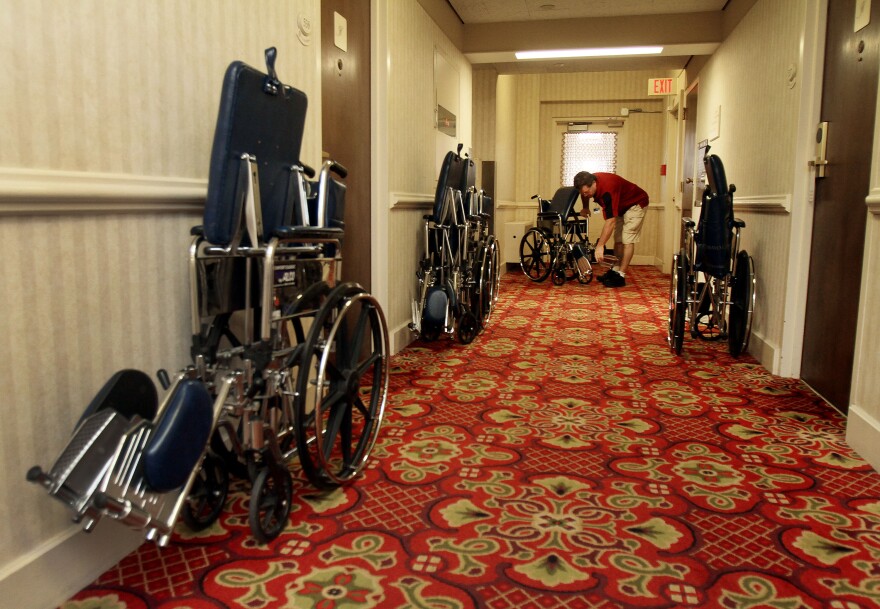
588, 151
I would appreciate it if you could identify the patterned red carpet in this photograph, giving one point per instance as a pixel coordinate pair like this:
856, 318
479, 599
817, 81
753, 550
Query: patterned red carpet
565, 459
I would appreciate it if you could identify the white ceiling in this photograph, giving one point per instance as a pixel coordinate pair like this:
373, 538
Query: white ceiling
497, 11
494, 29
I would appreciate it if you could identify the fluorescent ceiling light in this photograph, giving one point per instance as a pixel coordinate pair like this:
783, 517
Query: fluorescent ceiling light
598, 52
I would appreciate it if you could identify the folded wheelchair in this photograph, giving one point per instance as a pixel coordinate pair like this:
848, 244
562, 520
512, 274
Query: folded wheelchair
287, 360
712, 287
458, 276
558, 245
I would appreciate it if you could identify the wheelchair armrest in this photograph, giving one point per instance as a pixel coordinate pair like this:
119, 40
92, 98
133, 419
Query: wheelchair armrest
549, 215
307, 232
737, 223
688, 222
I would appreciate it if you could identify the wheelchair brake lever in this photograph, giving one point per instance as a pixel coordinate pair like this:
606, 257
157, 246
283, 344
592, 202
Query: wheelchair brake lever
164, 379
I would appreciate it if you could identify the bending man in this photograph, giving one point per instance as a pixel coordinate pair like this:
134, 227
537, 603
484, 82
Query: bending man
623, 207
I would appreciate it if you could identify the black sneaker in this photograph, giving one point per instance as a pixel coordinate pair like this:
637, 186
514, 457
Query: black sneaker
613, 279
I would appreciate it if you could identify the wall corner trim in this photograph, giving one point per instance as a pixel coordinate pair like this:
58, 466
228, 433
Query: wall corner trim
410, 200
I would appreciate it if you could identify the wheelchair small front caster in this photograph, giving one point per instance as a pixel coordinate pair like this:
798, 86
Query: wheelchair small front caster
468, 327
270, 503
208, 494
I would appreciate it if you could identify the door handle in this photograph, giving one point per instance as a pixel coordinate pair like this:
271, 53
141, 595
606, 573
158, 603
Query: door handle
688, 180
821, 159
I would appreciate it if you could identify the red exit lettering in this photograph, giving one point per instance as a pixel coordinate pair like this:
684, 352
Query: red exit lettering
660, 86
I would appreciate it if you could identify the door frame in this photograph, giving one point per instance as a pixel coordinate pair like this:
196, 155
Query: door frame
811, 69
381, 195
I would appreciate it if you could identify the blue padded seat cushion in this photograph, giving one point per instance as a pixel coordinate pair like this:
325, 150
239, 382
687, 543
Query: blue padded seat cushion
266, 125
179, 437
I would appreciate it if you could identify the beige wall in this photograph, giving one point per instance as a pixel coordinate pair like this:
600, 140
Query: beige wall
412, 153
108, 110
528, 108
747, 78
863, 424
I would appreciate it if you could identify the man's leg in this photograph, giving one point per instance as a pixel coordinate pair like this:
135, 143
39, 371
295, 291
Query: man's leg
631, 232
626, 255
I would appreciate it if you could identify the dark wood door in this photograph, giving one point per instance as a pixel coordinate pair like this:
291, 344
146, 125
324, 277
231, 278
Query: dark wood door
345, 107
848, 104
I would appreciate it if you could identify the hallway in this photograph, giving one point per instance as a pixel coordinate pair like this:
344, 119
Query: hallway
564, 459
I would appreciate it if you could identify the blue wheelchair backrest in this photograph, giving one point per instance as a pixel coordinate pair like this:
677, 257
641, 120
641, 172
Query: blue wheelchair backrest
563, 201
715, 174
452, 175
714, 236
261, 117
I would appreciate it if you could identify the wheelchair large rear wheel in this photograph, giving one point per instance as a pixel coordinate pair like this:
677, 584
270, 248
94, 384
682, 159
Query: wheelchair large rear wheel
481, 299
742, 304
206, 498
270, 503
341, 387
496, 271
677, 302
535, 255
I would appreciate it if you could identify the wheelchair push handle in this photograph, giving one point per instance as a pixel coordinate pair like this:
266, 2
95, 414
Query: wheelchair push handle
305, 169
336, 168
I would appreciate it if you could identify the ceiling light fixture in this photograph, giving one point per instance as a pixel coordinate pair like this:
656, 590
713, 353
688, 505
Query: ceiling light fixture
597, 52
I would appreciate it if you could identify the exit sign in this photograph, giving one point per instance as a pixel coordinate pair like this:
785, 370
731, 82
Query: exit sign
660, 86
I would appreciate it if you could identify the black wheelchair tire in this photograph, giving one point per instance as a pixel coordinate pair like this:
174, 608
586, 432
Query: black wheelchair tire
677, 302
742, 298
468, 327
342, 386
534, 255
206, 498
270, 501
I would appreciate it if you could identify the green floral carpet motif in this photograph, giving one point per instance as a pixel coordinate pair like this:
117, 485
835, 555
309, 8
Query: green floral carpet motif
564, 459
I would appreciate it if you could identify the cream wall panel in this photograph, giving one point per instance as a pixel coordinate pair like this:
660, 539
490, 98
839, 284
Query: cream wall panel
84, 297
747, 79
484, 115
863, 424
117, 94
133, 88
412, 164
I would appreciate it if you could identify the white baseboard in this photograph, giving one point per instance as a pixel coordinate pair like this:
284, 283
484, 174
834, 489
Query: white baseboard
863, 435
60, 567
765, 352
401, 336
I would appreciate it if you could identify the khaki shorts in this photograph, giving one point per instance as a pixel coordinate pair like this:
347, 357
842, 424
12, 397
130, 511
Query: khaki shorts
630, 230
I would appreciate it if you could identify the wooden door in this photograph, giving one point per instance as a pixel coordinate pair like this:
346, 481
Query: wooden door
345, 107
848, 104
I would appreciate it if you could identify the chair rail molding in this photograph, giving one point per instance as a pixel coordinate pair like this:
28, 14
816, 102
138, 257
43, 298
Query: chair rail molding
43, 191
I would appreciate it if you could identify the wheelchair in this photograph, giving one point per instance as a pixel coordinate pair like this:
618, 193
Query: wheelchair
712, 286
458, 276
559, 244
287, 360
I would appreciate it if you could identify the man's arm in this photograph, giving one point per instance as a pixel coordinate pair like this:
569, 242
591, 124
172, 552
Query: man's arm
607, 231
